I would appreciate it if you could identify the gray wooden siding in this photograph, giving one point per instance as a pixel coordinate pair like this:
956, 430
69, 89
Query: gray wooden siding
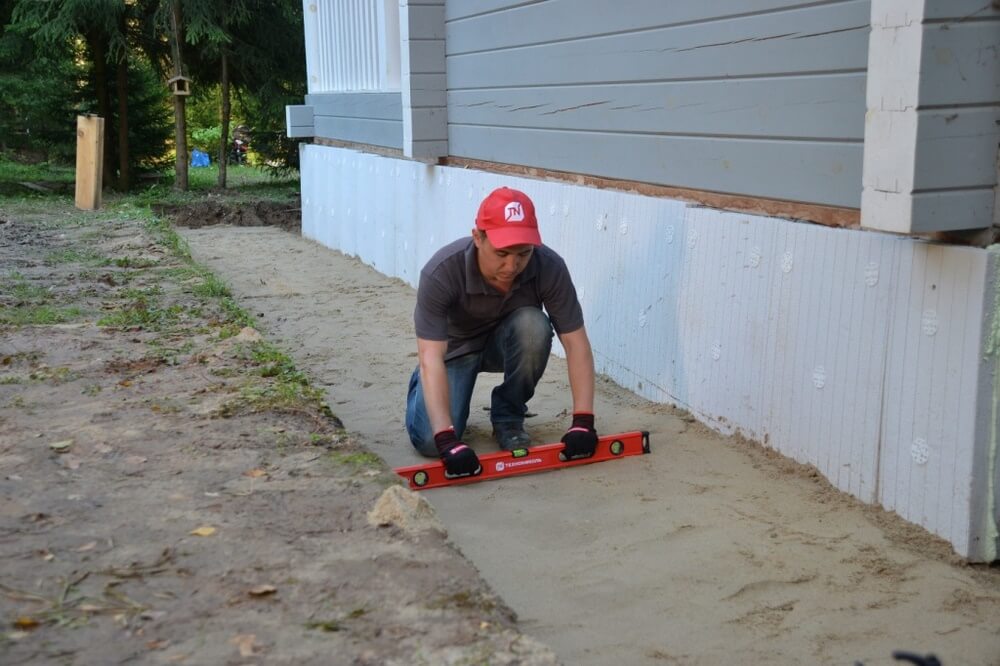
372, 118
958, 126
755, 97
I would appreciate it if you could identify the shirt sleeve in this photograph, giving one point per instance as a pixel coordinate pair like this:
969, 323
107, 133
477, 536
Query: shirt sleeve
559, 297
430, 316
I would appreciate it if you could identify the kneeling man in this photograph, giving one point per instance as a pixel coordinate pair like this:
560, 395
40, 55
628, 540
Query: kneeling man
479, 309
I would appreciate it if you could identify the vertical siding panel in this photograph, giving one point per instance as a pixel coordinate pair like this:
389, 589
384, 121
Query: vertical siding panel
777, 306
955, 508
898, 409
801, 323
951, 309
844, 419
339, 51
730, 326
829, 442
854, 340
781, 294
765, 234
931, 406
789, 439
681, 310
841, 423
702, 298
818, 355
895, 344
740, 360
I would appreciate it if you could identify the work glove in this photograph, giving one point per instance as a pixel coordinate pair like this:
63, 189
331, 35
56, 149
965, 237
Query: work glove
581, 438
459, 460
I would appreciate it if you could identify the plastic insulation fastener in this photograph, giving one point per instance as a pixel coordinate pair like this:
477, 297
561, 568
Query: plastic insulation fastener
530, 460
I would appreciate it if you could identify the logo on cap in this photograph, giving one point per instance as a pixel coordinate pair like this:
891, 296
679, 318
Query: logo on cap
514, 212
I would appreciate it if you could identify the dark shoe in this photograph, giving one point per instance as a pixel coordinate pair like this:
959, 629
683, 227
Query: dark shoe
511, 436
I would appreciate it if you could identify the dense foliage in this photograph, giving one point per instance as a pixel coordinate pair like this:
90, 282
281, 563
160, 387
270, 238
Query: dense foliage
61, 58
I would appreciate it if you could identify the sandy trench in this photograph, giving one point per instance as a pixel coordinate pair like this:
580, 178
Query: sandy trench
708, 551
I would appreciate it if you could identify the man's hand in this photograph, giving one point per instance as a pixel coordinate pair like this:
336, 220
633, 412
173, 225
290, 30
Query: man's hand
581, 438
459, 460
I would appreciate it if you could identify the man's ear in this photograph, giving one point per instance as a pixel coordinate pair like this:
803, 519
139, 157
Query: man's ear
477, 237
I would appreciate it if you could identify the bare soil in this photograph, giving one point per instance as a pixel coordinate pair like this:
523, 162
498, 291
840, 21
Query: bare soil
711, 550
174, 491
285, 215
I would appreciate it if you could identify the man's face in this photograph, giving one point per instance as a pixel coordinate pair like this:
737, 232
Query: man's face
500, 265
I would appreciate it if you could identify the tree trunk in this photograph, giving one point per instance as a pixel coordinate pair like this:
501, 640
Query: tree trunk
99, 53
180, 120
124, 174
224, 135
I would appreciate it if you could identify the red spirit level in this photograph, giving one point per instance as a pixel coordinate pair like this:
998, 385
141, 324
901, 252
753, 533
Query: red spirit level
526, 461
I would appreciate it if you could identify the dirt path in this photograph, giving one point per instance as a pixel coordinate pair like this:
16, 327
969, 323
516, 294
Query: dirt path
173, 492
708, 551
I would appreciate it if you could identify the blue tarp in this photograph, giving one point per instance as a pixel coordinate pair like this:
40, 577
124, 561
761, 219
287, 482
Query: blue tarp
199, 158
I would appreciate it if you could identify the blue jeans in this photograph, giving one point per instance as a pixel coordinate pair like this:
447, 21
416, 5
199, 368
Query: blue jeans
518, 347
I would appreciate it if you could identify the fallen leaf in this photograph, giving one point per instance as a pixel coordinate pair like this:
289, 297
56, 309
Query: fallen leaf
204, 530
262, 590
255, 473
26, 622
46, 555
157, 645
16, 635
87, 546
484, 625
90, 608
126, 383
244, 643
61, 446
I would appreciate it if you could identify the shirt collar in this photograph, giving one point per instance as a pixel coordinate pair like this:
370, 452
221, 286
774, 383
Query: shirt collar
474, 282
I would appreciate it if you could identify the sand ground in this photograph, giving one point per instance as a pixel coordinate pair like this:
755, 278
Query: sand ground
708, 551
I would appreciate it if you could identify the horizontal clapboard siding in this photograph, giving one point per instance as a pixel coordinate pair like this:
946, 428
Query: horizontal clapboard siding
760, 98
372, 118
958, 124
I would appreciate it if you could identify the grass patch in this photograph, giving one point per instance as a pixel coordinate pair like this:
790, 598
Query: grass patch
357, 459
243, 184
281, 387
211, 287
38, 315
143, 312
42, 171
24, 292
72, 255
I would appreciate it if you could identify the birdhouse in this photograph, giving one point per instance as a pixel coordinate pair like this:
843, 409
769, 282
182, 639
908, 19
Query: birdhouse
180, 85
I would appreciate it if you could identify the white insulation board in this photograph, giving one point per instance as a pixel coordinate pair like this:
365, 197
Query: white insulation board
853, 351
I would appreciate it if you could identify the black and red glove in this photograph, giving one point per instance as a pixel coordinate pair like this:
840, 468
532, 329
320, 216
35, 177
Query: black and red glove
459, 460
581, 438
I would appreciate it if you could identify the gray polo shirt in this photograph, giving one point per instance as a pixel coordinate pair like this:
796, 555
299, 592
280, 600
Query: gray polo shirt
455, 303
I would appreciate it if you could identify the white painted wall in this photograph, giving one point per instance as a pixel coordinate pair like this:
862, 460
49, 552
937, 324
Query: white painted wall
857, 352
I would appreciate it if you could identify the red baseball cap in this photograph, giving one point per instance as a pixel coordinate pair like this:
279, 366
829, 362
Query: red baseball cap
508, 218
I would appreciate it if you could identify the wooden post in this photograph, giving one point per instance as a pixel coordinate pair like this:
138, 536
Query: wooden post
89, 161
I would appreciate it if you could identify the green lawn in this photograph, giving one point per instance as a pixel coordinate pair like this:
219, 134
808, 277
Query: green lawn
243, 183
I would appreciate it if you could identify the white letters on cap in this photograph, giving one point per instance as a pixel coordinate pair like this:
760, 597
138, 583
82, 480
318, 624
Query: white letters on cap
513, 212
